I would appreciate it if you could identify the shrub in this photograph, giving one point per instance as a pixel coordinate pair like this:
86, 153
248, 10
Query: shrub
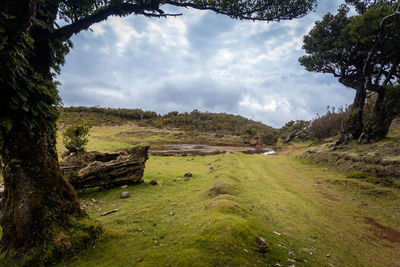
328, 125
75, 137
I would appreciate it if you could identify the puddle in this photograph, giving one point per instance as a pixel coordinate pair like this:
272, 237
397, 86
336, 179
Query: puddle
269, 152
199, 149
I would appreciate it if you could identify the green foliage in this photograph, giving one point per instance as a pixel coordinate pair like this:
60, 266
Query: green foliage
363, 52
75, 137
293, 127
251, 10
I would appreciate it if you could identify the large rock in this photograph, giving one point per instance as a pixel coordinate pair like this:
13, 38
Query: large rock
92, 169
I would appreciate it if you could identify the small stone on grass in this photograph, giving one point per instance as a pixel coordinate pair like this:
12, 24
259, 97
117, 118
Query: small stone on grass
125, 194
261, 245
153, 182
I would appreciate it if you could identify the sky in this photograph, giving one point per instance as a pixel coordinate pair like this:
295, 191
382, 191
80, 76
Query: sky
203, 61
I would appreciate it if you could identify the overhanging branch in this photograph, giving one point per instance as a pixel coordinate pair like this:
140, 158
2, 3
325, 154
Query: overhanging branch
123, 9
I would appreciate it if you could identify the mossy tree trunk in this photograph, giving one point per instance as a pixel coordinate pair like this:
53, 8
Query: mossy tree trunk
386, 108
41, 218
353, 124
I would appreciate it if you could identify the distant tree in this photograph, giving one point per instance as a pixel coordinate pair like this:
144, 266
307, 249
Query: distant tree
362, 51
39, 204
75, 137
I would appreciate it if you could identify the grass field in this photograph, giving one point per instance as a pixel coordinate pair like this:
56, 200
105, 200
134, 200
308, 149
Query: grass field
109, 138
309, 215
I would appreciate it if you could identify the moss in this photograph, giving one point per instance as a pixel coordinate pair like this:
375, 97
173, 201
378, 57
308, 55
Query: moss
63, 243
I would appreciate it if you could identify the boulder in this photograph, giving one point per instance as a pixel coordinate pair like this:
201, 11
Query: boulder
97, 169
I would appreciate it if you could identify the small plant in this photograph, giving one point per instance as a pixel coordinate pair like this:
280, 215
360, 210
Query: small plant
75, 137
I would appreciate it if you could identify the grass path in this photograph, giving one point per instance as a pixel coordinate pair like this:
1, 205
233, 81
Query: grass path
309, 215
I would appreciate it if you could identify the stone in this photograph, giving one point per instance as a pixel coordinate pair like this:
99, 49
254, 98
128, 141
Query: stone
172, 213
261, 245
124, 186
94, 201
125, 194
188, 174
153, 182
177, 180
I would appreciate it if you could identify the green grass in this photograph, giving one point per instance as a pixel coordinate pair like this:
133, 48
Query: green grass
232, 197
109, 138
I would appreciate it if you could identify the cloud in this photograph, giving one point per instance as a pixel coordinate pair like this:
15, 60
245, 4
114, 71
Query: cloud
200, 61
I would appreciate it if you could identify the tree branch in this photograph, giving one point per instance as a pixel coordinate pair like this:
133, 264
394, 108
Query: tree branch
257, 8
123, 9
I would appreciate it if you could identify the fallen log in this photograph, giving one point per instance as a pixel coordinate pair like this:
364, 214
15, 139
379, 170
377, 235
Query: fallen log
97, 169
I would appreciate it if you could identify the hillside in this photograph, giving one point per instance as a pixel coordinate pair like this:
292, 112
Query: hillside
378, 162
195, 122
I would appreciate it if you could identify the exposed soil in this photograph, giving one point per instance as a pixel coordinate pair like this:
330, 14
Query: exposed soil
383, 232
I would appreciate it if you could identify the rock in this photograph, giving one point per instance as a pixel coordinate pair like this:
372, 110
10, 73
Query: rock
186, 179
153, 182
92, 169
188, 174
291, 260
125, 194
172, 213
124, 186
261, 245
94, 201
177, 180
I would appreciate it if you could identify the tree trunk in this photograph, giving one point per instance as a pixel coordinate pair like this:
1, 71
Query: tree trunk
353, 125
97, 169
41, 217
385, 110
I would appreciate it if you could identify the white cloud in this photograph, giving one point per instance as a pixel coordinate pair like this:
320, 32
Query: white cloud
200, 60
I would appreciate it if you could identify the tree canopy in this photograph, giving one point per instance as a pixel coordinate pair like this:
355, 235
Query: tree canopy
362, 51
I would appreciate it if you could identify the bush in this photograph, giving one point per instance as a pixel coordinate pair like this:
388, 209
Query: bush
328, 125
75, 137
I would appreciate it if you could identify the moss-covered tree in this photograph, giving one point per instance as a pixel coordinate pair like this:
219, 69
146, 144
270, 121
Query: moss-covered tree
41, 216
362, 51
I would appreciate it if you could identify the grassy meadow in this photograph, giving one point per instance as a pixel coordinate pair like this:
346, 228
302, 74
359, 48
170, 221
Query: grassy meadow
114, 137
309, 215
